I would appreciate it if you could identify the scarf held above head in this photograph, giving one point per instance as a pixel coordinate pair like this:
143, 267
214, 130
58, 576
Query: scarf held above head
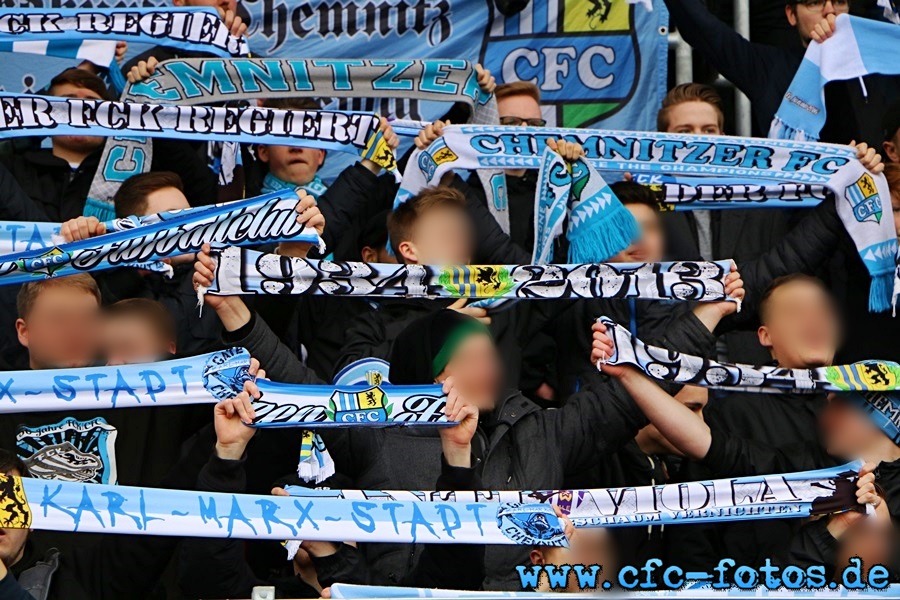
862, 198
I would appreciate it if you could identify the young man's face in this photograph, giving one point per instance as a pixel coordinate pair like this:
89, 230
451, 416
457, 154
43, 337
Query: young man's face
292, 164
12, 541
128, 340
801, 326
694, 117
806, 15
164, 200
440, 236
846, 429
649, 247
521, 106
60, 332
476, 370
76, 143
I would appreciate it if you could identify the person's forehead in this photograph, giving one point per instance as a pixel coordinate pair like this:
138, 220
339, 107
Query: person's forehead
693, 110
70, 89
517, 102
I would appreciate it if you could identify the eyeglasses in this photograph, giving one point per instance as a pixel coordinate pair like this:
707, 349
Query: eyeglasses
516, 121
820, 4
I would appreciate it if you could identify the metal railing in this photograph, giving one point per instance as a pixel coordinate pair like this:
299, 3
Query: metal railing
684, 66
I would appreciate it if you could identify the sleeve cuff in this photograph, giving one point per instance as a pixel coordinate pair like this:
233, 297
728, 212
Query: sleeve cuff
220, 475
238, 335
458, 478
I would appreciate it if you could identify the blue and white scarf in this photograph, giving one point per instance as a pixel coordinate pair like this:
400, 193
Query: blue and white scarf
100, 53
314, 188
788, 495
858, 47
268, 218
99, 508
883, 408
862, 205
709, 193
674, 367
247, 272
212, 80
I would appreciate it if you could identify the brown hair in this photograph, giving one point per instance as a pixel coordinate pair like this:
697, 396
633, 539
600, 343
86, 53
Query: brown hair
151, 311
892, 174
783, 281
9, 462
82, 79
689, 92
403, 218
29, 292
518, 88
131, 199
630, 192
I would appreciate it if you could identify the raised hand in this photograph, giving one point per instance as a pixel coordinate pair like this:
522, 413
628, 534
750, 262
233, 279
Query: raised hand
824, 29
231, 419
142, 70
391, 139
81, 228
602, 349
570, 151
308, 215
456, 441
480, 314
866, 494
486, 81
431, 132
869, 157
233, 22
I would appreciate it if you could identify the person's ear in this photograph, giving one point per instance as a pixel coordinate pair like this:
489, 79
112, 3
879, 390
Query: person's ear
408, 252
22, 332
765, 340
537, 557
791, 13
891, 151
263, 153
369, 254
172, 348
321, 160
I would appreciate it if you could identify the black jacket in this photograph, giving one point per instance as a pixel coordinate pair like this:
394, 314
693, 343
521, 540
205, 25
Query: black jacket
764, 74
519, 445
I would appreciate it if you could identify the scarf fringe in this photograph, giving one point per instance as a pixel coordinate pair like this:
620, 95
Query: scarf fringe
104, 211
881, 293
780, 130
604, 239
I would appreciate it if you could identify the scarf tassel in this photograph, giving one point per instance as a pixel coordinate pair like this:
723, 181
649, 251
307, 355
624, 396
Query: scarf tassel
881, 293
104, 211
780, 130
604, 239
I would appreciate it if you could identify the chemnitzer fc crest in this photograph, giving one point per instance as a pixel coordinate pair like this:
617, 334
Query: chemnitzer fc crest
864, 197
584, 55
368, 406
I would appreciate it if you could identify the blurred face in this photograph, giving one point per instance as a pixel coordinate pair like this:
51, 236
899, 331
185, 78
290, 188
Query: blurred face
60, 332
846, 429
649, 248
440, 236
695, 118
81, 144
476, 370
651, 441
223, 4
128, 340
164, 200
587, 546
292, 164
801, 328
805, 16
12, 541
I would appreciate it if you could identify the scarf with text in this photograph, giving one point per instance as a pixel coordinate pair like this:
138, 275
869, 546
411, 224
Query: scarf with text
100, 508
709, 193
675, 367
856, 48
883, 408
268, 218
363, 84
248, 272
789, 495
217, 376
862, 198
356, 133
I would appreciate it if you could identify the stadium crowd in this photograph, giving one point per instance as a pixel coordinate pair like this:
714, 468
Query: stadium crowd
534, 411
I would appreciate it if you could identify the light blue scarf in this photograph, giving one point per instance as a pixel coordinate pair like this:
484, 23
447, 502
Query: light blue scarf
858, 47
314, 188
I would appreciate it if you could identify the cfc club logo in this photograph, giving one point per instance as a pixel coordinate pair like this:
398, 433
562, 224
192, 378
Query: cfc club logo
368, 406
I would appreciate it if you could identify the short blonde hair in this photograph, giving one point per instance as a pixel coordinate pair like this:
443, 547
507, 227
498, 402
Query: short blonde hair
518, 88
29, 292
689, 92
